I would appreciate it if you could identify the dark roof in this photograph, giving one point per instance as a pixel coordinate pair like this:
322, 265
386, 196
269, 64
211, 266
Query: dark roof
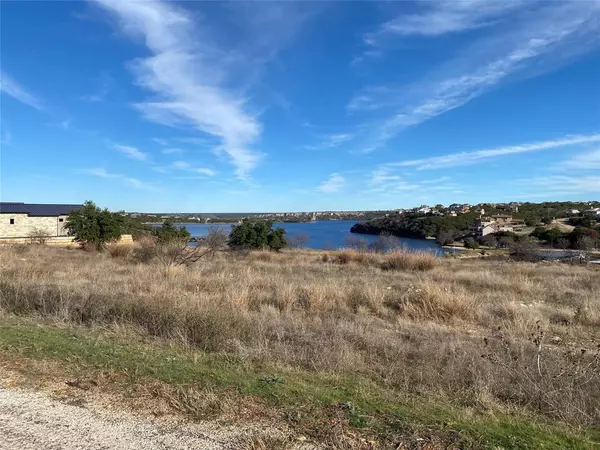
37, 209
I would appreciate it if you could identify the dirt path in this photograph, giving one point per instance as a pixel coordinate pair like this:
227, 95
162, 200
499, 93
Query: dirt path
33, 421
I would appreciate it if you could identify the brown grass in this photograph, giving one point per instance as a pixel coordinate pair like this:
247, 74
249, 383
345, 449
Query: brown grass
119, 250
467, 331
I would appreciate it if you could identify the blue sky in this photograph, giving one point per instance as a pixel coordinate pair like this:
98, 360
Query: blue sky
283, 106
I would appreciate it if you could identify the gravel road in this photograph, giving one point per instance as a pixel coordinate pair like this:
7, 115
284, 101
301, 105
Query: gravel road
32, 421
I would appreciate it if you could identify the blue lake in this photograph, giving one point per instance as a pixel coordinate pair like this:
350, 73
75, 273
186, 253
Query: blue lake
327, 234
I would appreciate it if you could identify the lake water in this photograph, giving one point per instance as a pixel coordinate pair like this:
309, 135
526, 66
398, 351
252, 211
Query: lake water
327, 234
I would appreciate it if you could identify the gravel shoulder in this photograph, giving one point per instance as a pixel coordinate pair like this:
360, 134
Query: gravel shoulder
33, 421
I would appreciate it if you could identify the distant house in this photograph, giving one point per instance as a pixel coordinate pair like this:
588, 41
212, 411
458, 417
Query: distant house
483, 227
460, 208
501, 218
18, 220
594, 212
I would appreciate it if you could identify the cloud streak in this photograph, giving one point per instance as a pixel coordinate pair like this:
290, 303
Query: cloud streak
11, 87
335, 183
478, 156
566, 185
185, 75
132, 152
439, 17
186, 167
331, 141
537, 41
582, 161
133, 182
190, 72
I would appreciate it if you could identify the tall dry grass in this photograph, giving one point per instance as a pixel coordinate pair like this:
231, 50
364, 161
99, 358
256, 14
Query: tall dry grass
467, 331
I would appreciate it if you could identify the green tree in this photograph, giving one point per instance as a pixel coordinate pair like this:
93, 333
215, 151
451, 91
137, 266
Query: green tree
92, 225
531, 221
547, 220
168, 232
471, 243
445, 238
579, 232
257, 235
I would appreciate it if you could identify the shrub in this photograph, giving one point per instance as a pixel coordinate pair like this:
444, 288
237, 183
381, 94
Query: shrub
471, 243
385, 242
299, 240
119, 250
216, 239
524, 251
93, 226
168, 232
585, 243
405, 260
257, 235
356, 243
576, 235
445, 238
489, 240
177, 252
38, 236
345, 256
144, 250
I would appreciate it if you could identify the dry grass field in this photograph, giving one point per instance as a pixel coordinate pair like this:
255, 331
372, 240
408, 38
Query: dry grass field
379, 337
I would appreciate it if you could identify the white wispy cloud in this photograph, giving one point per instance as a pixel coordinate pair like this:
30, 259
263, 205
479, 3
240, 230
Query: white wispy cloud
184, 72
161, 141
564, 184
439, 17
335, 183
100, 172
191, 72
382, 176
171, 151
186, 167
133, 182
204, 171
11, 87
132, 152
582, 161
537, 41
436, 180
466, 158
331, 141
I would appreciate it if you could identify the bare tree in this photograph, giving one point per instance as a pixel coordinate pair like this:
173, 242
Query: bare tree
38, 236
298, 240
356, 243
385, 242
524, 251
179, 253
585, 243
445, 238
216, 239
489, 240
562, 243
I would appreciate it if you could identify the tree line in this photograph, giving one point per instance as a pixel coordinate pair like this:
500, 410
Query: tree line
95, 227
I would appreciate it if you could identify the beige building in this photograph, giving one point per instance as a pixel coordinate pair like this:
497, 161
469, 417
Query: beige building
18, 220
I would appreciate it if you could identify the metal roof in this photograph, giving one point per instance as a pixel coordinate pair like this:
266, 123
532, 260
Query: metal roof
37, 209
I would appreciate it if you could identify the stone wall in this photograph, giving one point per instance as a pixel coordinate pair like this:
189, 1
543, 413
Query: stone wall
24, 224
